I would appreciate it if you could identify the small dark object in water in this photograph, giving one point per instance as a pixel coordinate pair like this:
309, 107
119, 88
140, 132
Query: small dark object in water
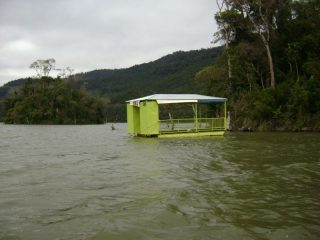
281, 129
245, 129
112, 127
306, 129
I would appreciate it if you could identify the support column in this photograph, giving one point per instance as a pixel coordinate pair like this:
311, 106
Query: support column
196, 116
225, 115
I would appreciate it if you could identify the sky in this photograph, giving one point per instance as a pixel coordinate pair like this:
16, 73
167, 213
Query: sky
99, 34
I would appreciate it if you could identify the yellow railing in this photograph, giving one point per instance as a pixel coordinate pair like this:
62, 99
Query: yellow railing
191, 125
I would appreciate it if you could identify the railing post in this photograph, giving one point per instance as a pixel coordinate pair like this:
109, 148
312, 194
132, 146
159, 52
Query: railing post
200, 117
225, 116
196, 113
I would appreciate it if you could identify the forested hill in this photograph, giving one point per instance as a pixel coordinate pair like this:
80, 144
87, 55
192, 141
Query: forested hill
174, 73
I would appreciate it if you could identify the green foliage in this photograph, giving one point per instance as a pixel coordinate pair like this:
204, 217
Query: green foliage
52, 101
294, 39
173, 73
214, 77
290, 105
291, 30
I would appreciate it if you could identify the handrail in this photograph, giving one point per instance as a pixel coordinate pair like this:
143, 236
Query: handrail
192, 124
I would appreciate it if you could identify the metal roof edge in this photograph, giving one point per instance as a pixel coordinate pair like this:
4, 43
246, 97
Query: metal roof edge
198, 97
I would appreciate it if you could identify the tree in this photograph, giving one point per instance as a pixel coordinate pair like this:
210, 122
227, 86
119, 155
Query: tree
53, 103
64, 72
43, 67
225, 29
272, 49
261, 15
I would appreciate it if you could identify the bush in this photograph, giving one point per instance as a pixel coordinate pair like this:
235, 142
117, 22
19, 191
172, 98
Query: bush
52, 101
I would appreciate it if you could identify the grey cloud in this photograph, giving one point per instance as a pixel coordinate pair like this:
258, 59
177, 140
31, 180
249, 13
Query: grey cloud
90, 34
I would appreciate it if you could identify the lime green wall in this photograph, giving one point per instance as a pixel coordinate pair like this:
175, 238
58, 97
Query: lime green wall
130, 118
133, 119
149, 118
144, 119
136, 120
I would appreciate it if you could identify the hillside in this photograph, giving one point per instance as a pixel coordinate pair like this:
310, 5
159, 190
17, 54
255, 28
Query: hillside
173, 73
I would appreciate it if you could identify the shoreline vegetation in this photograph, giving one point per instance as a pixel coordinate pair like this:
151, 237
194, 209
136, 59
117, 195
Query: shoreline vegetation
52, 101
268, 67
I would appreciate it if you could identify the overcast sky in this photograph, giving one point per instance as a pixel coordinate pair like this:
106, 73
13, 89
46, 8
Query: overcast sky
98, 34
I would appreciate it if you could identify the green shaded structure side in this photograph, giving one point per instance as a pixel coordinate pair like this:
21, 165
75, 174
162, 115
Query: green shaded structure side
133, 119
149, 117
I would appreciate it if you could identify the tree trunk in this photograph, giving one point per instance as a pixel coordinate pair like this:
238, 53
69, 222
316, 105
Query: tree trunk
229, 67
269, 55
261, 79
226, 32
297, 71
229, 58
271, 68
265, 39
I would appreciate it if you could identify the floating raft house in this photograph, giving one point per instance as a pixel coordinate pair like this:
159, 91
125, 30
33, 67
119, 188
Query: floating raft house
176, 115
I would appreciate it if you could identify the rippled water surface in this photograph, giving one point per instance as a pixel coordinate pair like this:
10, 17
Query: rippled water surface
88, 182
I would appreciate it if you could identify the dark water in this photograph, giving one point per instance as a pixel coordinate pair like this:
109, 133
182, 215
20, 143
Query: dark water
88, 182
